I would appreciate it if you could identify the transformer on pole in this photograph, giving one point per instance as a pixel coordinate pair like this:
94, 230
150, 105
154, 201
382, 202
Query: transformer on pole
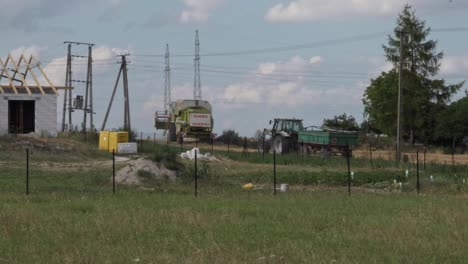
77, 104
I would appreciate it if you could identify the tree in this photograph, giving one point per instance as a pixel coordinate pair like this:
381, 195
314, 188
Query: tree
453, 122
422, 96
232, 136
341, 122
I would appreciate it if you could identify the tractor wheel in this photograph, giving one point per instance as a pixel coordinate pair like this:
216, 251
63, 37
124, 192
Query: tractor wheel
172, 135
281, 144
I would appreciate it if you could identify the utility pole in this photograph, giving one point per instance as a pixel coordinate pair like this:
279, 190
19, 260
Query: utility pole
123, 72
67, 92
88, 105
400, 98
167, 82
197, 94
68, 95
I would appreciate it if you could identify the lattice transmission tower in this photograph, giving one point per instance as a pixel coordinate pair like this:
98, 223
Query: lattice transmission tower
197, 93
167, 82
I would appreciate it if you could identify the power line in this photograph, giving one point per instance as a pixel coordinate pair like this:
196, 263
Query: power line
337, 41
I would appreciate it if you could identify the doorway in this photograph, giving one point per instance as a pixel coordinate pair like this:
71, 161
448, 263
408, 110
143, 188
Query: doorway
21, 116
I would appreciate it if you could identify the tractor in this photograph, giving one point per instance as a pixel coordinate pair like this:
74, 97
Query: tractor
282, 137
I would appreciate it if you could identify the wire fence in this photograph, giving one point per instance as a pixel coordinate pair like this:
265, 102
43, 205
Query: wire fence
217, 169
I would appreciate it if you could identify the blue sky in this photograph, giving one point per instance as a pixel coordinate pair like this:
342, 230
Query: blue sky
248, 89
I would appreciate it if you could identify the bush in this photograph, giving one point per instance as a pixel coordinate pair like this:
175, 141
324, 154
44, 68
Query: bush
168, 157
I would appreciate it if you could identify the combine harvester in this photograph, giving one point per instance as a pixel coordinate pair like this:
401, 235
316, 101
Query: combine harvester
186, 119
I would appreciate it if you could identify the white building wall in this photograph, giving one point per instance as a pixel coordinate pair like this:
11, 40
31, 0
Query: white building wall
45, 112
3, 115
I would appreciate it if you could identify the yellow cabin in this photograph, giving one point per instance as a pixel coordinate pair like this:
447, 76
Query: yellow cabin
115, 138
104, 140
109, 141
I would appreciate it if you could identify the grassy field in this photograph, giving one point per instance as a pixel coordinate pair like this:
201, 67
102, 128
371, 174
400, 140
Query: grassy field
71, 215
306, 227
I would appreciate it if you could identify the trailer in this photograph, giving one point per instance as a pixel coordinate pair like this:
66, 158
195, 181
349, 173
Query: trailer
327, 141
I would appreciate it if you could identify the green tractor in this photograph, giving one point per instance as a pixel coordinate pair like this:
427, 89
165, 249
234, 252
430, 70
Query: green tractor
282, 137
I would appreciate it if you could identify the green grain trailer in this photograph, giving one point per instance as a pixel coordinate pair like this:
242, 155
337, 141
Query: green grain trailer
326, 141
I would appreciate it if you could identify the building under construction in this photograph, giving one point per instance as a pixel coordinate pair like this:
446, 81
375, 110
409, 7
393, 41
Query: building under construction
26, 107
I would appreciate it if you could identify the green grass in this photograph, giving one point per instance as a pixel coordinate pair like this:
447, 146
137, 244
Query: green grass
254, 227
71, 215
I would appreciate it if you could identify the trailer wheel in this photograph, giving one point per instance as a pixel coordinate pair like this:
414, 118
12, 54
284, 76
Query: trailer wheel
281, 144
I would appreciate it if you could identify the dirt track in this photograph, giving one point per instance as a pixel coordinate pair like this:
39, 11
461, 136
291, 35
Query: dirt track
382, 154
430, 157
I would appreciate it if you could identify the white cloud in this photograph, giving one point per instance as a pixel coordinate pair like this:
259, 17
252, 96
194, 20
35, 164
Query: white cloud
313, 10
454, 65
316, 60
242, 93
33, 50
199, 10
294, 65
278, 83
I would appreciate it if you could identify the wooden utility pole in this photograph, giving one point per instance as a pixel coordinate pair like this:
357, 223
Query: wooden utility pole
123, 72
67, 92
88, 105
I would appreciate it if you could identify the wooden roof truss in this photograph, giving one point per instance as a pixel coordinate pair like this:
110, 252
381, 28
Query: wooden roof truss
16, 74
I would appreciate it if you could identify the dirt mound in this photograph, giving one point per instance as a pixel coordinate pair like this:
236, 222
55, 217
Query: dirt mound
33, 141
133, 173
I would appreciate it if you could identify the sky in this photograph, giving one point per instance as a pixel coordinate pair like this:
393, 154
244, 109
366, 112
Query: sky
308, 59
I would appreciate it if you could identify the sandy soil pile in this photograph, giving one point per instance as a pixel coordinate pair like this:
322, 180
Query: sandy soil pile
130, 173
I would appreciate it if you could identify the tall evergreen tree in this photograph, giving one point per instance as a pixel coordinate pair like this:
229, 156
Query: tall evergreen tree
423, 95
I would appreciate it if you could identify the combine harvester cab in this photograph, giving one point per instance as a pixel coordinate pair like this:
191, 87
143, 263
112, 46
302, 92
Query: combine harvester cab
188, 119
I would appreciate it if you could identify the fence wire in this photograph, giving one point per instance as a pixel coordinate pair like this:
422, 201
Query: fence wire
225, 170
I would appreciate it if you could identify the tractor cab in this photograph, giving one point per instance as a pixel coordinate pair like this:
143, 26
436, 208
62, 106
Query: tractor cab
288, 125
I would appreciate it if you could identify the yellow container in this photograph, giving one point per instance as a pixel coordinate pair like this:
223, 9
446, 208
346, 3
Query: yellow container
115, 138
104, 140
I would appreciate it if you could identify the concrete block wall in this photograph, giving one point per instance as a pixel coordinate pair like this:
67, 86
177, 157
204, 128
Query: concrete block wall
45, 113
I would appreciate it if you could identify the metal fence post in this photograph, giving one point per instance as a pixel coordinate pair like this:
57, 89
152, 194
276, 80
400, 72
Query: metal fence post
274, 172
27, 171
302, 149
181, 143
263, 148
196, 174
212, 144
228, 141
113, 170
424, 164
349, 169
417, 172
141, 141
